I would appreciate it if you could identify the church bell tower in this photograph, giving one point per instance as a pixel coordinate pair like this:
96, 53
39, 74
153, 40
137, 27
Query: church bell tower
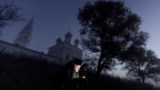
25, 35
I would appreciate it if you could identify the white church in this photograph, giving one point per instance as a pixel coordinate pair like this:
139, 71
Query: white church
61, 52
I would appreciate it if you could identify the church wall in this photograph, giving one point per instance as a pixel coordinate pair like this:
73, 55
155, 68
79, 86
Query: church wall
71, 52
56, 51
17, 50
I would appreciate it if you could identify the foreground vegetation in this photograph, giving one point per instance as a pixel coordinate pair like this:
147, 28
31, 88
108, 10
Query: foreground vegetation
29, 73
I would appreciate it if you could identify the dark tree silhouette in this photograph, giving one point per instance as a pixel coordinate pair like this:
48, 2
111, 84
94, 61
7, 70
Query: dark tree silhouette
109, 29
143, 64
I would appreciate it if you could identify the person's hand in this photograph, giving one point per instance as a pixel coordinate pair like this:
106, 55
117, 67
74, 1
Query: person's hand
83, 77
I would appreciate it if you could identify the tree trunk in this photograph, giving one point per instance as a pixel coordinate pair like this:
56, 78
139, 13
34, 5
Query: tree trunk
143, 80
99, 67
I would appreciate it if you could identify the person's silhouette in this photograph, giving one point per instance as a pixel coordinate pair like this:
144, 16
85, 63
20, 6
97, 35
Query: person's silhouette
70, 76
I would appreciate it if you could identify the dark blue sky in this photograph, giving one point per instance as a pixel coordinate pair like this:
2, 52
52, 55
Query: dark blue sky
54, 18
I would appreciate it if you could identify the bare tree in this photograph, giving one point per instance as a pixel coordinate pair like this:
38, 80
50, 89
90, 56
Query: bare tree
9, 13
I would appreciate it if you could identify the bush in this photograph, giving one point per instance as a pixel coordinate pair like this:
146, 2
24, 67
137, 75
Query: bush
30, 73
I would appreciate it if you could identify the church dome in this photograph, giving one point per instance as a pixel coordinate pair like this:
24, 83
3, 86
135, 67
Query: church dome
58, 40
76, 42
68, 37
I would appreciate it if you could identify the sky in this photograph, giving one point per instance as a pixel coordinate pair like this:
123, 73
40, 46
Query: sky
54, 18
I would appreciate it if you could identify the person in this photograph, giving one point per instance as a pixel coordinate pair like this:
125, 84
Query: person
70, 76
